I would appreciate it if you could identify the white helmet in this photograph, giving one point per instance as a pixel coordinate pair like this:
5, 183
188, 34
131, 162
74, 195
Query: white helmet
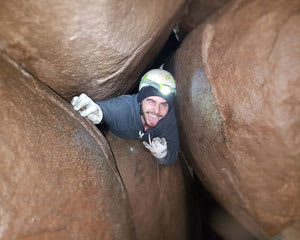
160, 79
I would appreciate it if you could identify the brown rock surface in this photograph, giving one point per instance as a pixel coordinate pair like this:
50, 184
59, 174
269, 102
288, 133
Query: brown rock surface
96, 47
238, 80
157, 193
57, 175
197, 12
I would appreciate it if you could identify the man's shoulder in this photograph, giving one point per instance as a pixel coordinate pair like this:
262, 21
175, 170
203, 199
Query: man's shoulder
168, 123
120, 100
119, 111
171, 117
127, 97
167, 128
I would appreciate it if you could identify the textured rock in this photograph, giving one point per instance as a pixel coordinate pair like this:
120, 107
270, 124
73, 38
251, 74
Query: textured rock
157, 193
290, 233
197, 12
97, 47
238, 80
57, 175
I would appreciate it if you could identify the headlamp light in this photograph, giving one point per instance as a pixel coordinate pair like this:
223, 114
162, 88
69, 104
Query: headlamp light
165, 89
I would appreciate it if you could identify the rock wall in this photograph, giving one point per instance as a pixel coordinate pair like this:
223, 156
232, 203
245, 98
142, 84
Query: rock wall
238, 109
239, 112
195, 13
157, 193
96, 47
57, 176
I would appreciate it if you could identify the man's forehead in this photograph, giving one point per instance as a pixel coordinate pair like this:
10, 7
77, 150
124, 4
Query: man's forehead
157, 99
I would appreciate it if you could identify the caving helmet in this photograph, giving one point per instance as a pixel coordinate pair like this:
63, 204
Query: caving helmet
157, 82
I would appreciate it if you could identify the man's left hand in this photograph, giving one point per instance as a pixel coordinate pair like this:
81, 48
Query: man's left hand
157, 147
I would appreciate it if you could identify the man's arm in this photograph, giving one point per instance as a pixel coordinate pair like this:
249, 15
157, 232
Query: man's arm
98, 112
169, 159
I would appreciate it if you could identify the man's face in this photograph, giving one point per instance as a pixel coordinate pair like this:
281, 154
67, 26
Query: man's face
154, 108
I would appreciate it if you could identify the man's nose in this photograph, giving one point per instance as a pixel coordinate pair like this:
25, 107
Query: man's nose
156, 109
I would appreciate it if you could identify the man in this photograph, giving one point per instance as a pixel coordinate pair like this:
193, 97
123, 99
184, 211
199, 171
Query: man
148, 115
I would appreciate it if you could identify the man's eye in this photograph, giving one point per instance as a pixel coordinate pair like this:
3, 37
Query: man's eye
150, 101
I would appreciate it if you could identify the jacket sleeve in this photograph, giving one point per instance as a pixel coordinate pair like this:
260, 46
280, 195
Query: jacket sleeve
111, 109
169, 159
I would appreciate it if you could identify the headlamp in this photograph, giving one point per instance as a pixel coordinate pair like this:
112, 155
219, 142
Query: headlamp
164, 89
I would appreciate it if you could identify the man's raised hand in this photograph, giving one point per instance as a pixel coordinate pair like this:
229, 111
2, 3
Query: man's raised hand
157, 147
87, 108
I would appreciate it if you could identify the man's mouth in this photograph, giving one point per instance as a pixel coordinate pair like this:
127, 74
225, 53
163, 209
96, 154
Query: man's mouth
153, 119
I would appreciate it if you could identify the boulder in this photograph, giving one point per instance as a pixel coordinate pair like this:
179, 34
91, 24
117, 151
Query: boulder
196, 12
58, 178
157, 193
238, 81
96, 47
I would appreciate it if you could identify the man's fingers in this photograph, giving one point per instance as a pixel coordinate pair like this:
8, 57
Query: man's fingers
155, 143
150, 143
83, 95
146, 145
159, 140
89, 110
81, 103
74, 100
94, 118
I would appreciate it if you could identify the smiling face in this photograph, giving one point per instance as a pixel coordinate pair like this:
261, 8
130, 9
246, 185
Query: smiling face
154, 108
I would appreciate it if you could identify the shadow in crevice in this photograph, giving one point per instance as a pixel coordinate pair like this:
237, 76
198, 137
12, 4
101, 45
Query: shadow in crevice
208, 219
